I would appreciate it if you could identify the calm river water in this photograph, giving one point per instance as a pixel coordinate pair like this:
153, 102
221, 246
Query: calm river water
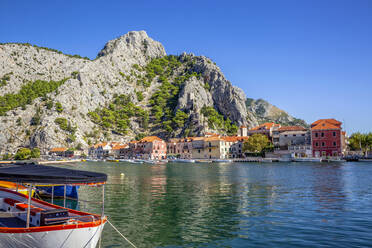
235, 205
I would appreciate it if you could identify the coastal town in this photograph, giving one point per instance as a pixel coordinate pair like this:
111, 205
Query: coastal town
324, 139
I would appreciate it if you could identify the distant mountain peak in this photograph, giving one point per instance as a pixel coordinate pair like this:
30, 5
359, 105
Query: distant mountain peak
263, 111
131, 42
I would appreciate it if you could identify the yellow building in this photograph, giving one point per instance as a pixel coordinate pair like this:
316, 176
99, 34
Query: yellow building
208, 148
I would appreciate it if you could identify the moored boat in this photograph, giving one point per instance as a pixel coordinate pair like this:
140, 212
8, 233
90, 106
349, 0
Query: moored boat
29, 222
180, 160
222, 161
307, 159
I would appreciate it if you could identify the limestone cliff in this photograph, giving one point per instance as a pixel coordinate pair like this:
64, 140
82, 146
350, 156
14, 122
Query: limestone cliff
49, 99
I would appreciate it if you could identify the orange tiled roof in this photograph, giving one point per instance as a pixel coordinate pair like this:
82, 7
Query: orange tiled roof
266, 125
234, 138
118, 147
331, 121
100, 144
115, 143
150, 139
58, 149
213, 138
291, 128
212, 134
326, 124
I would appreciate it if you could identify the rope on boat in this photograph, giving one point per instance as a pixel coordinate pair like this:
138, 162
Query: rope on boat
121, 234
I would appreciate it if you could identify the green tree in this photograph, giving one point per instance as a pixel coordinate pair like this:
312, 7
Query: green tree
59, 107
360, 142
140, 136
7, 156
35, 153
140, 96
23, 154
27, 94
256, 143
180, 118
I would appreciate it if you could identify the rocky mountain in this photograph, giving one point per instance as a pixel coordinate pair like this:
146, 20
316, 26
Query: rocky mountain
50, 99
263, 111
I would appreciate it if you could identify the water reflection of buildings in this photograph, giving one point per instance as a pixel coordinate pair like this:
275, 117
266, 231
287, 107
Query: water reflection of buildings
329, 186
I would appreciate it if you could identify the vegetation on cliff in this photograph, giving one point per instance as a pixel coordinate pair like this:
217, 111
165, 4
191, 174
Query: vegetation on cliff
116, 116
217, 121
27, 94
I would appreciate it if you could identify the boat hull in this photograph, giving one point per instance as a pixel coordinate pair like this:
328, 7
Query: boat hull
84, 230
79, 237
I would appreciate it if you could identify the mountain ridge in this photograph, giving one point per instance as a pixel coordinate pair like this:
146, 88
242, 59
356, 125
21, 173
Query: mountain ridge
170, 95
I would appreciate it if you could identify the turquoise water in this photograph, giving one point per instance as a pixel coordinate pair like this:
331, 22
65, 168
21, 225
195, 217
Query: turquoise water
236, 205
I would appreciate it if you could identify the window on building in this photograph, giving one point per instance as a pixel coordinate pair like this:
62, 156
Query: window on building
210, 144
323, 144
334, 143
198, 151
322, 135
210, 150
316, 144
303, 134
285, 135
334, 134
316, 135
294, 135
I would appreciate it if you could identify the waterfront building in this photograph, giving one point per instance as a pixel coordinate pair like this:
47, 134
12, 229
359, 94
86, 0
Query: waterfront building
197, 146
58, 151
173, 147
278, 131
234, 146
266, 129
103, 150
180, 148
212, 147
151, 147
294, 141
327, 138
116, 149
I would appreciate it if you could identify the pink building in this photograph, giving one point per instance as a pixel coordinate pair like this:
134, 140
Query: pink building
150, 147
180, 148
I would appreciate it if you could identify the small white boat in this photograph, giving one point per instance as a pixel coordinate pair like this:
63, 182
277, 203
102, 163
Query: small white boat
28, 222
180, 160
136, 161
266, 160
334, 160
91, 160
307, 160
222, 161
284, 159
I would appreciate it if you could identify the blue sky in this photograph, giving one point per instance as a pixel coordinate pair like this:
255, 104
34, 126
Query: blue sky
312, 58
